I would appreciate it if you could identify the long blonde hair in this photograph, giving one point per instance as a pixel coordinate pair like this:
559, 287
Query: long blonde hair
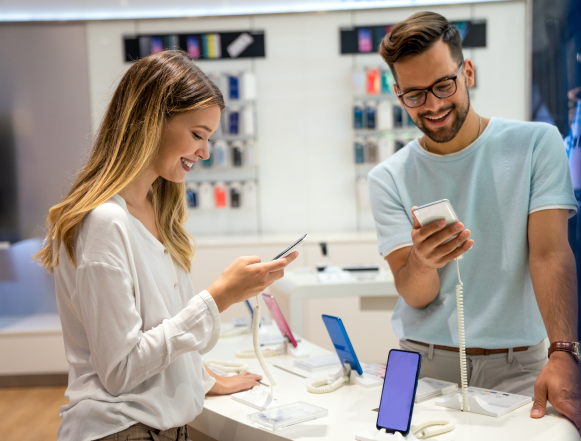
153, 89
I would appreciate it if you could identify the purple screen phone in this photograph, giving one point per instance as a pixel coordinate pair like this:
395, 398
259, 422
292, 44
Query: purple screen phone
365, 44
279, 318
399, 391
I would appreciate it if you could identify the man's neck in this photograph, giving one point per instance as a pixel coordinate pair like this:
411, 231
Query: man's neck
466, 136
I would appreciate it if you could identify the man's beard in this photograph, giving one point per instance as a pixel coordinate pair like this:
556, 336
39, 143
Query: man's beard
445, 134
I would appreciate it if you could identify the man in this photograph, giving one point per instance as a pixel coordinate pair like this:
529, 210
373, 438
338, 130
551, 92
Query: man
509, 182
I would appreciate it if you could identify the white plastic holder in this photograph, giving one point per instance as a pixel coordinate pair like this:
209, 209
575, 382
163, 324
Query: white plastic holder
298, 352
365, 380
475, 404
258, 397
382, 435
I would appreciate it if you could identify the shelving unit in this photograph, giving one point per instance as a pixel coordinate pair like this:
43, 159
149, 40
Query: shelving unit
381, 126
223, 191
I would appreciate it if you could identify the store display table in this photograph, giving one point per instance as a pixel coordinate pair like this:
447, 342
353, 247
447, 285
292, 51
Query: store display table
351, 410
298, 285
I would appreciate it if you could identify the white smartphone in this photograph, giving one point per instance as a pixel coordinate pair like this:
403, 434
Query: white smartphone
292, 248
434, 211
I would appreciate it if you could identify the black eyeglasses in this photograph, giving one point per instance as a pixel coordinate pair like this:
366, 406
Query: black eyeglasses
442, 89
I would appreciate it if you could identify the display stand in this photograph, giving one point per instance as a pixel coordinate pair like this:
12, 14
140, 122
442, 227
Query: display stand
365, 380
258, 397
382, 435
506, 402
298, 352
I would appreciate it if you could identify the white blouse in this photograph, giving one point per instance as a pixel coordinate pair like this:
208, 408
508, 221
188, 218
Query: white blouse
133, 330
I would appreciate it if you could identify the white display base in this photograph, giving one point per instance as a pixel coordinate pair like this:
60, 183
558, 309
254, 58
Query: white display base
298, 352
478, 405
258, 397
381, 435
365, 380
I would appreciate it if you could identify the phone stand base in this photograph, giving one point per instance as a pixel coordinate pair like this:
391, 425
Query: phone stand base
381, 435
297, 352
365, 380
478, 405
258, 397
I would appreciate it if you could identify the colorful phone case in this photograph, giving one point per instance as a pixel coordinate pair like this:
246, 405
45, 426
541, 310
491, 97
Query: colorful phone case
279, 318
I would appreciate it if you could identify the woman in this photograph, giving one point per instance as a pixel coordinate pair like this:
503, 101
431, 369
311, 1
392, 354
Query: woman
132, 326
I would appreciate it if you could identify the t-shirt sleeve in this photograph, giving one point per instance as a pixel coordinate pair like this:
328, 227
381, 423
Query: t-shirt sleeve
551, 183
392, 222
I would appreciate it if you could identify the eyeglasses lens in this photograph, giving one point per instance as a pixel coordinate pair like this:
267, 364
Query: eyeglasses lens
444, 88
415, 98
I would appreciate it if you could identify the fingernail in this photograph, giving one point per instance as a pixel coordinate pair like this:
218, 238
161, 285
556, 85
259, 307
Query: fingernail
441, 223
458, 227
535, 412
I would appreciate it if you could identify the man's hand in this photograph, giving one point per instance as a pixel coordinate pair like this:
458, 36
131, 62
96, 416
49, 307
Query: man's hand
429, 249
237, 383
559, 382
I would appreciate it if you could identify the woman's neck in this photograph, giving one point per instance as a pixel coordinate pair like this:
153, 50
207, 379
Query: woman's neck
136, 194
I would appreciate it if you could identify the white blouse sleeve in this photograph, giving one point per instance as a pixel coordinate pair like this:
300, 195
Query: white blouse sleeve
122, 355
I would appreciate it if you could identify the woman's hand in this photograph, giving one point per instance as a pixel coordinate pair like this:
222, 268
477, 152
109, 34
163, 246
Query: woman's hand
231, 385
246, 277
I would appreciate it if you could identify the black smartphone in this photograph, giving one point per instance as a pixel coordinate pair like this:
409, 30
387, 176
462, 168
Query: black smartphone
293, 247
399, 391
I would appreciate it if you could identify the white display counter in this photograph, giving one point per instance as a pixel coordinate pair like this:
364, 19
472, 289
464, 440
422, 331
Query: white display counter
351, 410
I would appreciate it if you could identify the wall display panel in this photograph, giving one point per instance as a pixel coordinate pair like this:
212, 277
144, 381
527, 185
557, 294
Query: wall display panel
205, 46
556, 89
39, 10
306, 176
366, 39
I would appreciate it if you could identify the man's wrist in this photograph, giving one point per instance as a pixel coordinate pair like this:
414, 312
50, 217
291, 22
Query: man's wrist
563, 357
417, 265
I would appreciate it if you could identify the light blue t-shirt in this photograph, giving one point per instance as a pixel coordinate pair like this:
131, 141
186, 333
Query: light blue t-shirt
513, 169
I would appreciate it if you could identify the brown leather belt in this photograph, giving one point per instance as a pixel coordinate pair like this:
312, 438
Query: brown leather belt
472, 351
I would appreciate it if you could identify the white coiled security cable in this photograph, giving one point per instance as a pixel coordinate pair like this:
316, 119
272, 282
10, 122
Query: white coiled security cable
462, 340
323, 386
343, 376
237, 330
429, 428
257, 350
227, 366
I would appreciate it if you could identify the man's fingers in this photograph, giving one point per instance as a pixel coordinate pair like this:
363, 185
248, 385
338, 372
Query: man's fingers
416, 223
431, 228
540, 400
447, 248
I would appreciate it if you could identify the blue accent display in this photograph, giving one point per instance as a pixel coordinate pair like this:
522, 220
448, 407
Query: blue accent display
341, 341
399, 391
250, 308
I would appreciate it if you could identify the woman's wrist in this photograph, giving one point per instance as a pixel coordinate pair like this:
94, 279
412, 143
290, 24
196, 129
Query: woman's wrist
217, 291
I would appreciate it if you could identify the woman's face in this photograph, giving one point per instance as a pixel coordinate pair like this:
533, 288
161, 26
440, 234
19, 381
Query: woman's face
184, 140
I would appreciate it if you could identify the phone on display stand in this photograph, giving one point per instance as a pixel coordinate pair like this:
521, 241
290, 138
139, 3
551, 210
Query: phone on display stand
292, 248
399, 391
284, 328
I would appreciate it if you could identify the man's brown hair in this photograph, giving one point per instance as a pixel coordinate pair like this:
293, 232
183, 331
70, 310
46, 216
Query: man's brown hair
416, 34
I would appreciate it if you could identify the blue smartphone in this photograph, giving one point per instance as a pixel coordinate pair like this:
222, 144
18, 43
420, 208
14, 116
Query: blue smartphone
399, 391
341, 342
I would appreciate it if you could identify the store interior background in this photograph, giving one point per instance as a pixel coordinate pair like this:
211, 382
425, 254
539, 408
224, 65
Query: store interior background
57, 77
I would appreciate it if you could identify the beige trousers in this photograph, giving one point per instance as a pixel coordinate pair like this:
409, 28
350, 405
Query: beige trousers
141, 432
514, 372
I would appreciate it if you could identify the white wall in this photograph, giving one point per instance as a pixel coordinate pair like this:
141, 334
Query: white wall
306, 173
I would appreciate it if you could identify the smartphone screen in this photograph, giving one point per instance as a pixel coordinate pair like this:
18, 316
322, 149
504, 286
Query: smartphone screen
277, 316
399, 391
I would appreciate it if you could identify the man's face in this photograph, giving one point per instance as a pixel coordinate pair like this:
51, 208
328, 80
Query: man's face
439, 118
